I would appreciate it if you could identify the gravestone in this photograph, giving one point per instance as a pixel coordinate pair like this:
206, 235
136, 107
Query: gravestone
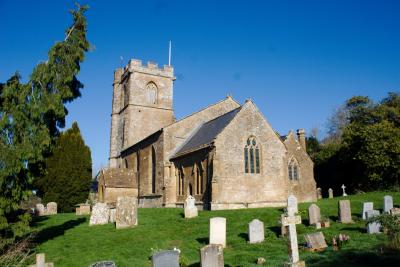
367, 206
387, 203
256, 231
104, 264
292, 204
316, 241
314, 214
330, 192
319, 193
345, 211
51, 208
373, 227
100, 214
126, 212
212, 256
218, 231
82, 209
290, 221
166, 258
40, 209
113, 212
344, 192
190, 207
41, 262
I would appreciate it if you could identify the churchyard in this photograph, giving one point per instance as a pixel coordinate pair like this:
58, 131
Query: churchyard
68, 240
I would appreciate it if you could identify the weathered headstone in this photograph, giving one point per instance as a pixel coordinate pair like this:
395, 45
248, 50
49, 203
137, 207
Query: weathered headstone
387, 203
212, 256
113, 213
319, 193
256, 231
100, 214
291, 220
344, 192
314, 214
373, 227
190, 207
218, 231
82, 209
330, 192
316, 241
367, 206
345, 211
41, 262
292, 204
40, 209
104, 264
166, 258
126, 214
51, 208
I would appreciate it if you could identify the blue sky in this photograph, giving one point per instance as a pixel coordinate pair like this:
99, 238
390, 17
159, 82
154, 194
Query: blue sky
298, 60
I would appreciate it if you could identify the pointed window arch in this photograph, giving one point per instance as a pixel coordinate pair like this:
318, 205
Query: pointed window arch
293, 170
151, 90
251, 156
153, 170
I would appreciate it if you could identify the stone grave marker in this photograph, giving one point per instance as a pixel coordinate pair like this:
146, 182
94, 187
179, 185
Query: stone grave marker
41, 262
166, 258
316, 241
190, 207
51, 208
284, 229
345, 211
256, 231
82, 209
113, 213
100, 214
344, 192
40, 209
387, 203
366, 207
212, 256
314, 214
330, 192
292, 203
290, 221
218, 231
126, 212
373, 227
319, 193
104, 264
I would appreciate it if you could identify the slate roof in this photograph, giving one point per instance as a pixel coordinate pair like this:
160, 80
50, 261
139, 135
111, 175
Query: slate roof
206, 133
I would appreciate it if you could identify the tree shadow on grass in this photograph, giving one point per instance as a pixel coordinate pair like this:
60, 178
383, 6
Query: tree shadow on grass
202, 240
245, 236
276, 230
334, 218
197, 264
54, 231
38, 220
355, 229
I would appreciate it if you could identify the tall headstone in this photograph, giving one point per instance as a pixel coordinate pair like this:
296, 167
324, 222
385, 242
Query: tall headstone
51, 208
344, 192
314, 214
292, 204
256, 231
345, 211
40, 209
387, 203
373, 227
330, 192
218, 231
319, 193
166, 258
126, 212
290, 221
100, 214
190, 207
367, 206
212, 256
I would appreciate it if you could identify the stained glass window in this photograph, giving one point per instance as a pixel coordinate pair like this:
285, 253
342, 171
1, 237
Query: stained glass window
251, 156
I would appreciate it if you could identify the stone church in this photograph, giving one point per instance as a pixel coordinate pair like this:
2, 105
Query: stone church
227, 155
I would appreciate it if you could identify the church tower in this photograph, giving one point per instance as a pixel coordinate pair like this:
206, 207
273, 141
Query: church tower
142, 104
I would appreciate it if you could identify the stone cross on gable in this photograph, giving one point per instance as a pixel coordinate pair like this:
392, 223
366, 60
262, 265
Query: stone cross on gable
344, 193
290, 221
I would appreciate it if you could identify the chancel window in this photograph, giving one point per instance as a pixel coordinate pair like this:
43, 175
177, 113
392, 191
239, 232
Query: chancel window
251, 156
151, 90
293, 170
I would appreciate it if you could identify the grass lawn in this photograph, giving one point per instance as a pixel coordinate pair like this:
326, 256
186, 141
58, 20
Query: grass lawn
68, 240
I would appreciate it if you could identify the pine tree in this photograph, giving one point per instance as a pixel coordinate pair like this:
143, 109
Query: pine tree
68, 171
30, 115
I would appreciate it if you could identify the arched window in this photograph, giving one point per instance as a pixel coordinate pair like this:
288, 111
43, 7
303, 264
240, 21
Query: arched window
151, 90
181, 182
293, 170
153, 170
199, 179
251, 156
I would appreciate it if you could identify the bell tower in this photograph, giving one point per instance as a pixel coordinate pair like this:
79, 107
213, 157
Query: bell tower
142, 104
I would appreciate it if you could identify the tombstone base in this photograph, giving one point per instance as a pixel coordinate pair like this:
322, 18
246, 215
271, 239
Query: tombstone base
295, 264
191, 213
